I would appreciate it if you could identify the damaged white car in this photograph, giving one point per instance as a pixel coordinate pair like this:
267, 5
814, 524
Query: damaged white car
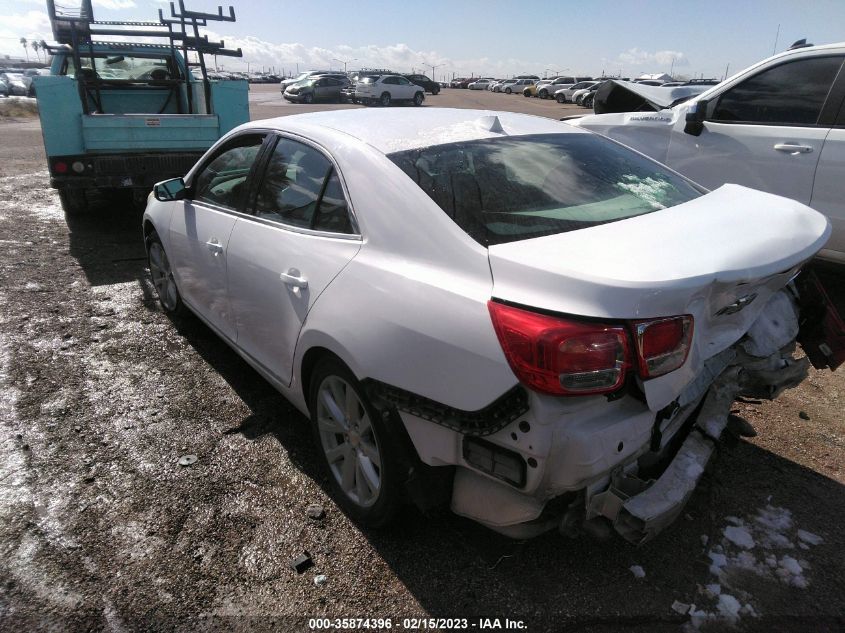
524, 319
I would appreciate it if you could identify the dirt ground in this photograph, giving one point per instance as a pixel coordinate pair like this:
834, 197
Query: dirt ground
102, 529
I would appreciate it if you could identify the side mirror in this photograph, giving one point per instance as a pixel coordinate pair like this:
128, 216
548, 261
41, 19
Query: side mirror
169, 190
695, 118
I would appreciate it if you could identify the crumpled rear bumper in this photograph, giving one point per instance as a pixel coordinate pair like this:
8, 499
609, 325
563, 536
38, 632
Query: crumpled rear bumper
640, 516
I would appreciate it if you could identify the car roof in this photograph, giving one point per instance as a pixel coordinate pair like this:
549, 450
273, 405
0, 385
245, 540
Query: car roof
402, 129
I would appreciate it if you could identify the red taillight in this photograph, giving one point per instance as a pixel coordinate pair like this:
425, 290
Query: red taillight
561, 356
662, 344
60, 167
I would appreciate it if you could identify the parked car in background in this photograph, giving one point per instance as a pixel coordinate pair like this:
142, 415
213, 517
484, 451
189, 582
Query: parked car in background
778, 126
17, 84
516, 85
317, 88
548, 91
481, 84
303, 75
387, 89
427, 84
530, 90
455, 83
564, 95
509, 344
4, 89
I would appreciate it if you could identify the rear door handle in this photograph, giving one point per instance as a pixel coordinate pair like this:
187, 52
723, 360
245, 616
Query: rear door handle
214, 246
793, 149
292, 278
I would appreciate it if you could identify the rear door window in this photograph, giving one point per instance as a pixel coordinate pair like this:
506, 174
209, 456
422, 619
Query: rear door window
789, 94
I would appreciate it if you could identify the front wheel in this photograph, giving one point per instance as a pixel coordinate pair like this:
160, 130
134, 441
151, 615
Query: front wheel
418, 99
560, 99
508, 91
162, 277
74, 201
385, 99
308, 98
435, 91
354, 443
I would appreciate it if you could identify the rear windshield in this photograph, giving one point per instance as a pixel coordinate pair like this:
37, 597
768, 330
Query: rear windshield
514, 188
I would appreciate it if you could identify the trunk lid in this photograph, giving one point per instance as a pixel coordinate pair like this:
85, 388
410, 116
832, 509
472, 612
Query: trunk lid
719, 257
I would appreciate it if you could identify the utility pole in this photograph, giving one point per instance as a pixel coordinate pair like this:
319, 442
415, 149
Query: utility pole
726, 71
340, 61
777, 35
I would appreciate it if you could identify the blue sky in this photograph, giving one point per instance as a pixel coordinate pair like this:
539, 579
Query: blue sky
491, 37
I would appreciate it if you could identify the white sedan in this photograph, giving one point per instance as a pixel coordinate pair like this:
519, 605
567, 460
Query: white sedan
496, 311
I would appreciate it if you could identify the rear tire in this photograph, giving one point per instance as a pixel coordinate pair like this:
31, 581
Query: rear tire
560, 98
385, 99
435, 91
543, 94
74, 201
355, 447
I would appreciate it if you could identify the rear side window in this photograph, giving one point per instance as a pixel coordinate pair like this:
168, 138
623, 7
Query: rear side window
513, 188
300, 188
792, 93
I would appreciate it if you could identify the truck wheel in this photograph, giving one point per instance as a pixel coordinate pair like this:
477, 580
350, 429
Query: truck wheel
139, 199
74, 201
385, 99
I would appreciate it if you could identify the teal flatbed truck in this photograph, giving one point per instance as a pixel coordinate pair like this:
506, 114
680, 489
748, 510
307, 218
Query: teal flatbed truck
123, 115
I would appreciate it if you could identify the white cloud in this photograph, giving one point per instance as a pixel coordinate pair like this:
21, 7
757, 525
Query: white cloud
115, 5
659, 59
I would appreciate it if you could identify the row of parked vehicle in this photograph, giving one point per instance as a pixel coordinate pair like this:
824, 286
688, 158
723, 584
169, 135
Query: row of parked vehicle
368, 87
17, 82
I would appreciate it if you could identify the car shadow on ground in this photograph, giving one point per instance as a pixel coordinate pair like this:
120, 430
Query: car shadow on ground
456, 568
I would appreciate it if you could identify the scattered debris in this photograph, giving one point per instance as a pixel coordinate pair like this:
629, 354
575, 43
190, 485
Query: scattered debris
302, 562
320, 579
803, 415
187, 460
638, 571
809, 538
682, 607
739, 536
315, 511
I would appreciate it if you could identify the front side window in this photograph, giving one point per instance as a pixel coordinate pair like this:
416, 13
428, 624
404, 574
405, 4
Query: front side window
223, 181
792, 93
513, 188
301, 189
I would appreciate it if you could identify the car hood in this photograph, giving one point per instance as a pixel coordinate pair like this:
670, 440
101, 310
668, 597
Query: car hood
696, 258
627, 96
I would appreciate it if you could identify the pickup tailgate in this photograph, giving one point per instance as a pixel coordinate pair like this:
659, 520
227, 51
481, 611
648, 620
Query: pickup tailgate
141, 132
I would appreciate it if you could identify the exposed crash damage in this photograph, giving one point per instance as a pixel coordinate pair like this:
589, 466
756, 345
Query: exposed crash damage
627, 96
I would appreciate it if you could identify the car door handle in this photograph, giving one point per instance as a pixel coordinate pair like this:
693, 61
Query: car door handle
214, 246
292, 278
793, 149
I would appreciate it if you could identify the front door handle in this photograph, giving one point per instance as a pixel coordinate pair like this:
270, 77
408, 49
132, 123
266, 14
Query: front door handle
292, 278
793, 149
214, 246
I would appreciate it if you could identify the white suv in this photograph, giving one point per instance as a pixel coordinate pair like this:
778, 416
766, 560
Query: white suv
778, 126
387, 89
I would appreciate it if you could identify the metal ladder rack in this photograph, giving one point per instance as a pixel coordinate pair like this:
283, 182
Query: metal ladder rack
75, 27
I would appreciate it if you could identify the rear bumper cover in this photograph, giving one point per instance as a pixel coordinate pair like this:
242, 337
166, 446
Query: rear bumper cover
141, 170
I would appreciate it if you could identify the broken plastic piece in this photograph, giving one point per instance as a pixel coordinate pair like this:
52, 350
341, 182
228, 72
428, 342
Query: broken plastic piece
187, 460
302, 562
320, 580
638, 571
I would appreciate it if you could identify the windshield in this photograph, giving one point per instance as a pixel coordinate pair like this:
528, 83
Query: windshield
514, 188
126, 67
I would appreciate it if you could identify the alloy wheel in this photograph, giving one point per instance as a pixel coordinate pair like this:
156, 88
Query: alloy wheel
162, 277
349, 441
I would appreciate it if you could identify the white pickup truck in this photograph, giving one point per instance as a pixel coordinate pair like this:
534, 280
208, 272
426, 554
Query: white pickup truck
778, 126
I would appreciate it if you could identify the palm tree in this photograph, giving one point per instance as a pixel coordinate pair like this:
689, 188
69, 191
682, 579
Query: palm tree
23, 43
43, 45
35, 46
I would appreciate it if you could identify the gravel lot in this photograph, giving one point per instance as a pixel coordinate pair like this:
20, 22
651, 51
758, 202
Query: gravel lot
100, 528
